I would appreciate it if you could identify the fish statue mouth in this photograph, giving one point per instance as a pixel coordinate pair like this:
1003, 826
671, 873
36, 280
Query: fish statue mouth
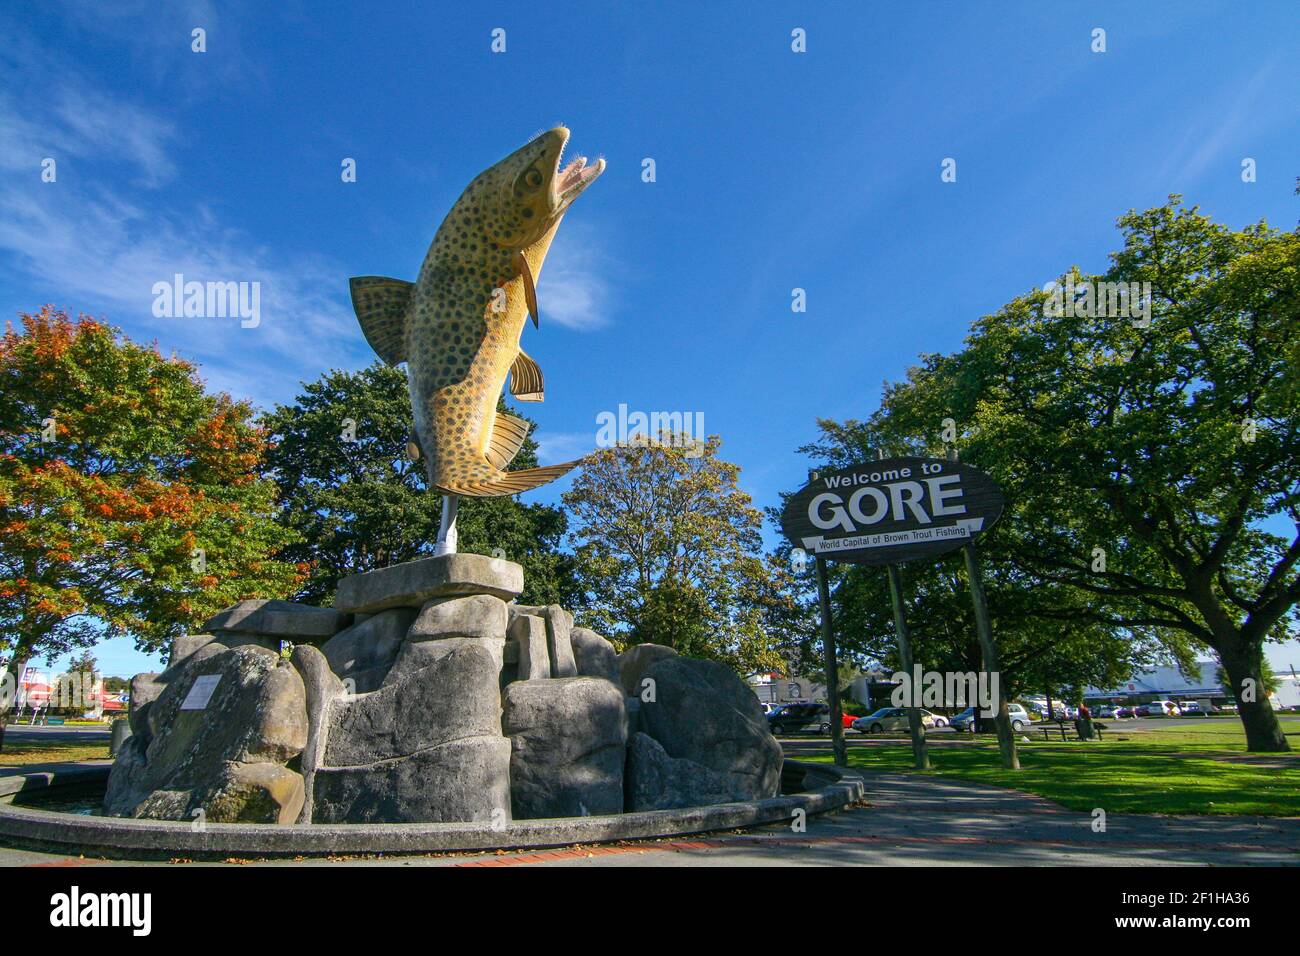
567, 183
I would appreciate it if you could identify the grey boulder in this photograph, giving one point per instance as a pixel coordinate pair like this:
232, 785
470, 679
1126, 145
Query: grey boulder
324, 689
559, 625
453, 697
703, 712
656, 781
635, 661
239, 793
426, 747
363, 654
528, 636
256, 715
567, 741
144, 690
463, 781
478, 615
593, 655
417, 655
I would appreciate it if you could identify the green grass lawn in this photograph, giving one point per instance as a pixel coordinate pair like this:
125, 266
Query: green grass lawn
1171, 770
53, 751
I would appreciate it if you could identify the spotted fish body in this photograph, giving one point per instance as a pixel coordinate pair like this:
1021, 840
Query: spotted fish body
458, 326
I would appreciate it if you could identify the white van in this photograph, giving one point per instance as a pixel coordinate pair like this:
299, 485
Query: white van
1165, 708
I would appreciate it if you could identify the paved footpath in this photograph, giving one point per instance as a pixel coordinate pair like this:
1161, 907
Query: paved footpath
910, 820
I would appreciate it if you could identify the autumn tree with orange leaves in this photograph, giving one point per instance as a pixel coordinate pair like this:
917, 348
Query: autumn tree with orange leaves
130, 501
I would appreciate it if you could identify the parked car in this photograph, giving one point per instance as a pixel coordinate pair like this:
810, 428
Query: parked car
796, 716
1162, 708
965, 721
939, 719
1191, 708
889, 718
846, 721
1107, 710
1127, 710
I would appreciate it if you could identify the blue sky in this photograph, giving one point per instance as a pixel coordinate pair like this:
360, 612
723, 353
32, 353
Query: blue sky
775, 170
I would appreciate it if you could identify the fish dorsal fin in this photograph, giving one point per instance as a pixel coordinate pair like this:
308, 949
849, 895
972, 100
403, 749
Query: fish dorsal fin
525, 379
530, 286
380, 304
508, 434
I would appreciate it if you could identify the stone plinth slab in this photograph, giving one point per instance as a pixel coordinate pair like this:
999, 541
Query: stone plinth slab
283, 619
416, 582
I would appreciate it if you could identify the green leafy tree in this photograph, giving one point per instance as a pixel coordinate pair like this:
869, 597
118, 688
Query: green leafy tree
117, 685
669, 552
357, 502
129, 497
1151, 461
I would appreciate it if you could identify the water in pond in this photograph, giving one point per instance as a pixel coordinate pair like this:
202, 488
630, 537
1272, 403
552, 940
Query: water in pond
83, 801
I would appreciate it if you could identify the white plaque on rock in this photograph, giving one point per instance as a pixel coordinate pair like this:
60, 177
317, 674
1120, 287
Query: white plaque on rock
201, 692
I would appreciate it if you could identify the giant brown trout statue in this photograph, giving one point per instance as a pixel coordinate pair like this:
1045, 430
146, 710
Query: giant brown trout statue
457, 327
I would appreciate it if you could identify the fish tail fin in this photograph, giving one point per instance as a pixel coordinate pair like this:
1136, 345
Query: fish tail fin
497, 483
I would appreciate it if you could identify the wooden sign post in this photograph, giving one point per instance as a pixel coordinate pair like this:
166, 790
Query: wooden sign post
914, 727
832, 665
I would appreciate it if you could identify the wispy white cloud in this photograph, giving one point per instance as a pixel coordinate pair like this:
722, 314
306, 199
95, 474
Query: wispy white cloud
572, 289
556, 447
1207, 141
108, 254
76, 122
96, 249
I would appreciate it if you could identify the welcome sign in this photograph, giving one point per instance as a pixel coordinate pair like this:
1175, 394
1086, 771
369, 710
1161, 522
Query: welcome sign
893, 510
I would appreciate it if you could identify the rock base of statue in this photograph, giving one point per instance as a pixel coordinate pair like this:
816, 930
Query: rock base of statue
428, 695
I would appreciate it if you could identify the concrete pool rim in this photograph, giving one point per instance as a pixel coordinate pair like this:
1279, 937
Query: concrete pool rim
822, 788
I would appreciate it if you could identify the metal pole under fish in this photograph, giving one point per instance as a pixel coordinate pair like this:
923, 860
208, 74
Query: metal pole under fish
446, 543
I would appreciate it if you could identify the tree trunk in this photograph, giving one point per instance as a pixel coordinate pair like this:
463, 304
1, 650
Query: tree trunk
1245, 668
16, 665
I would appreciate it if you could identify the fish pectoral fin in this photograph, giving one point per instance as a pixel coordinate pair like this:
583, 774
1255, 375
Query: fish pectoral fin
530, 287
413, 446
380, 304
525, 378
508, 434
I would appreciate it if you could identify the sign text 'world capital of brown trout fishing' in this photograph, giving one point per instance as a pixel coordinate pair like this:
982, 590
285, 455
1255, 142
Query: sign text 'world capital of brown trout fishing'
896, 509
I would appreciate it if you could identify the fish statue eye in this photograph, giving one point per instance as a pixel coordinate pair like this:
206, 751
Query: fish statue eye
533, 178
